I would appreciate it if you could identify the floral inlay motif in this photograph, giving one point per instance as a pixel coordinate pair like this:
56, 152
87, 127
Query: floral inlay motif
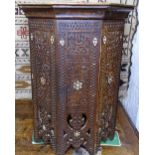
77, 85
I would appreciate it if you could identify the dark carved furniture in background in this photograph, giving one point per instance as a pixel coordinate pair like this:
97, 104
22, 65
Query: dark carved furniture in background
75, 63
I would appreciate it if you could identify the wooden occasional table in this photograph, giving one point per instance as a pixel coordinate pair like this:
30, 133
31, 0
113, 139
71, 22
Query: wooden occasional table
76, 54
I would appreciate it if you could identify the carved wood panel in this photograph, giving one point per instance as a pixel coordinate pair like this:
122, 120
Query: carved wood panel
110, 61
43, 79
78, 47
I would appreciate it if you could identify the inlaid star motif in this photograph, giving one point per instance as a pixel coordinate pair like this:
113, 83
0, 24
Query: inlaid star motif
77, 85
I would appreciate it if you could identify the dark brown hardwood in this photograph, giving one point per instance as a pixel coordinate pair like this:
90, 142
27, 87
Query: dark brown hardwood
75, 64
24, 129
